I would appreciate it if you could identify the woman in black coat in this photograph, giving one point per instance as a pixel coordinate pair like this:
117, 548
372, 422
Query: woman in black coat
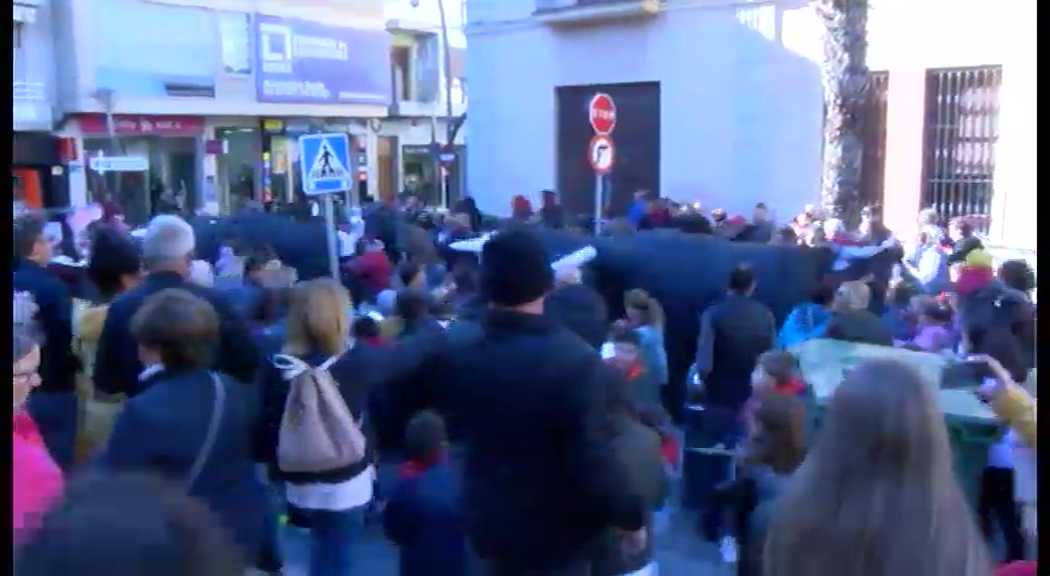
193, 426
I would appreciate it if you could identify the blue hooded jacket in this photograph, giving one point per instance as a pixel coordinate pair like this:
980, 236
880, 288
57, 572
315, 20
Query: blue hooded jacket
806, 321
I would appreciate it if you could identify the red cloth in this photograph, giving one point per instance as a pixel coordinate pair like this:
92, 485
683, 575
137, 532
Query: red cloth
1019, 568
416, 468
374, 268
792, 386
376, 341
520, 207
848, 240
669, 450
972, 279
37, 480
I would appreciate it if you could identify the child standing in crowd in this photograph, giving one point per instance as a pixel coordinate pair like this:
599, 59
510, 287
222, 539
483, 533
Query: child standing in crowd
637, 448
776, 372
642, 389
424, 516
646, 317
933, 332
897, 317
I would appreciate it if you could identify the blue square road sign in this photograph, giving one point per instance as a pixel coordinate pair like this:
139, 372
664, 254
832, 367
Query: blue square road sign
324, 161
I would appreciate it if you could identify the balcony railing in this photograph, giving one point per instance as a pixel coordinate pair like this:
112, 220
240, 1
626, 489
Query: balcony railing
575, 12
24, 11
31, 107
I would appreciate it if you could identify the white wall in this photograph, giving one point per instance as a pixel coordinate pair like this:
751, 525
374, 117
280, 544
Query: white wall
741, 114
34, 62
907, 38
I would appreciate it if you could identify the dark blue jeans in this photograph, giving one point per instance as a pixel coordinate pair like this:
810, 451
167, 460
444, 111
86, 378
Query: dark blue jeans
333, 538
55, 414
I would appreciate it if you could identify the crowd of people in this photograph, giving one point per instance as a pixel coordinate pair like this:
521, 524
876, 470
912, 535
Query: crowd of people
488, 411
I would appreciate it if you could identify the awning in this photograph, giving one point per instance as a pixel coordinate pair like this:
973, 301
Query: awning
25, 11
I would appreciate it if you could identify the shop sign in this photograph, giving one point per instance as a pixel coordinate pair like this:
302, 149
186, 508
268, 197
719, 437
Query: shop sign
160, 125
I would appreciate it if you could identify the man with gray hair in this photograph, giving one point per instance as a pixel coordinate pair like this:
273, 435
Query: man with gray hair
167, 249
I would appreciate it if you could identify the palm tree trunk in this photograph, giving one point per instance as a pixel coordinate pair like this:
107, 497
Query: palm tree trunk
846, 81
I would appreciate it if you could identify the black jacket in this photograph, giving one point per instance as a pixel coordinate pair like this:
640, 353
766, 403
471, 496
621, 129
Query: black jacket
859, 326
528, 400
733, 334
357, 371
117, 366
162, 430
54, 319
962, 249
580, 309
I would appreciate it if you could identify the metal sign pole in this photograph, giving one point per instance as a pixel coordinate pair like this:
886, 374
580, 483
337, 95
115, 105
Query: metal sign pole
332, 237
599, 195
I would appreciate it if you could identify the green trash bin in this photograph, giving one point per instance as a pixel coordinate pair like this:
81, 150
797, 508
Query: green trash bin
972, 428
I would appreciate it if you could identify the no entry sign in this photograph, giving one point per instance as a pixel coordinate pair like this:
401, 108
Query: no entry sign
602, 112
601, 153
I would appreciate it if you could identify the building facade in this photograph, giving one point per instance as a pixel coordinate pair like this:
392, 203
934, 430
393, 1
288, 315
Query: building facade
38, 171
422, 104
960, 112
712, 103
212, 94
721, 101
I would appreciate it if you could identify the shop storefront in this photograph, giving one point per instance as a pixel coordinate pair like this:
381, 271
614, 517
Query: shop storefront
280, 154
173, 148
239, 167
422, 176
39, 178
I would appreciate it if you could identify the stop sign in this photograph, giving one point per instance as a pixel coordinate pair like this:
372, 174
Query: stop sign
602, 112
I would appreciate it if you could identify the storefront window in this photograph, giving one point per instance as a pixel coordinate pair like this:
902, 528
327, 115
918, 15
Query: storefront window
235, 30
168, 184
238, 165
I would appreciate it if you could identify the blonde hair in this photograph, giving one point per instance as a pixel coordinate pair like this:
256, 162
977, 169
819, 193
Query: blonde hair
877, 493
641, 301
852, 296
318, 318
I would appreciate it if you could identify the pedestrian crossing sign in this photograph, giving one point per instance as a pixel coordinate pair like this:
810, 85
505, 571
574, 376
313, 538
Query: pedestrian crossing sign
324, 161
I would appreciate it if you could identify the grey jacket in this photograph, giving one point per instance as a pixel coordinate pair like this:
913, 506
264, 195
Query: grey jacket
637, 449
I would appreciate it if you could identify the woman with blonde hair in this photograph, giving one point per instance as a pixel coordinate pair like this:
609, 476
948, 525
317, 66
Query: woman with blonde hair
852, 321
877, 494
646, 317
317, 335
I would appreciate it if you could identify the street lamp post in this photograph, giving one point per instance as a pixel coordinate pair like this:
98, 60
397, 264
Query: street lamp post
450, 119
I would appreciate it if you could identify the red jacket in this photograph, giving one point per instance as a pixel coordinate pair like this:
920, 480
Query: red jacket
37, 480
374, 268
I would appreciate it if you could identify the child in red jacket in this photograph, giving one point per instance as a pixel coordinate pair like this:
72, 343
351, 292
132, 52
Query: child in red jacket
775, 372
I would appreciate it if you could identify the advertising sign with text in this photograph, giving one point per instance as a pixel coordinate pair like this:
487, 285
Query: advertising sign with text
300, 61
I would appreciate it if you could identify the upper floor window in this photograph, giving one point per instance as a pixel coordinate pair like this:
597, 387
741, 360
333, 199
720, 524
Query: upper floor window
235, 30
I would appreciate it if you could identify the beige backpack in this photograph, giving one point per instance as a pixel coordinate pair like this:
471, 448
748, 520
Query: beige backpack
318, 433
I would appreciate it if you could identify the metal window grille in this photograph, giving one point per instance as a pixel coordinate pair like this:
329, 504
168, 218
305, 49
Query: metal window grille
873, 169
961, 134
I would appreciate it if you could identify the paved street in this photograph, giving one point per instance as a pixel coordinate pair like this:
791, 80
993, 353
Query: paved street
680, 552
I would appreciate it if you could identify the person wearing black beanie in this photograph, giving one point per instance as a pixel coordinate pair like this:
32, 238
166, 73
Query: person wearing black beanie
515, 269
527, 399
115, 264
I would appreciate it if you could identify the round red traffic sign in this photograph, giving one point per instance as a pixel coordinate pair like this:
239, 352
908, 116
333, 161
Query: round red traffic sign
601, 153
602, 112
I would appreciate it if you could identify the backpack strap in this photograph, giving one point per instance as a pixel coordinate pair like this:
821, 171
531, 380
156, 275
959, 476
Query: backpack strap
328, 363
290, 366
